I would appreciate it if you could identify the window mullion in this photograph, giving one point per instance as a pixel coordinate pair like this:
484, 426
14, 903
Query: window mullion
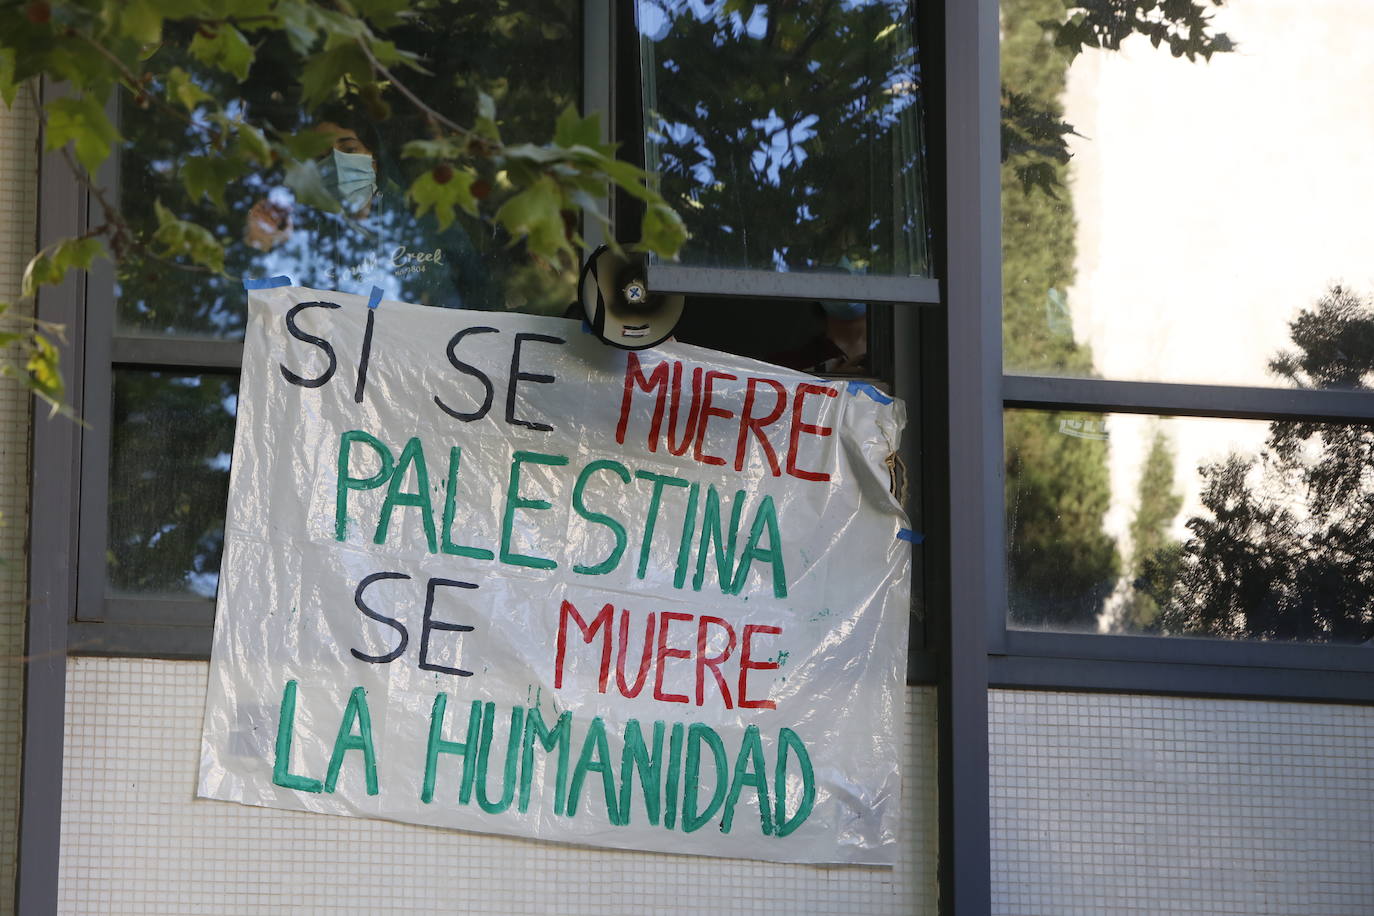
712, 281
1176, 399
177, 353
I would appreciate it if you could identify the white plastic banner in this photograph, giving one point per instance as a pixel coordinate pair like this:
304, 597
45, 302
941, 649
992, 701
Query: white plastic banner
482, 571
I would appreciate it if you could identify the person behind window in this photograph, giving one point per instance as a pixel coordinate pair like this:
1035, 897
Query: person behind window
374, 239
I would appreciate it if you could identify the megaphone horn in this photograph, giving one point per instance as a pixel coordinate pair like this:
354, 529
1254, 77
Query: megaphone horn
621, 308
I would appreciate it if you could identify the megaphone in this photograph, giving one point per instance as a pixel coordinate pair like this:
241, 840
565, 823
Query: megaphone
620, 307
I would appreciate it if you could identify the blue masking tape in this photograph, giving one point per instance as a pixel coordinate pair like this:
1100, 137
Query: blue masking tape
869, 390
911, 537
375, 299
266, 283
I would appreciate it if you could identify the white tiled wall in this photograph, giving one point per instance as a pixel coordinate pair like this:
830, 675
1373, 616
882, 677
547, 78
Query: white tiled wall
1107, 804
18, 193
135, 842
1101, 804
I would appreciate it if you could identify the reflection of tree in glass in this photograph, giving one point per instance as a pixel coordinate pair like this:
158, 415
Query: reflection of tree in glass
1286, 549
169, 476
789, 133
1061, 564
1157, 505
516, 53
173, 434
1034, 134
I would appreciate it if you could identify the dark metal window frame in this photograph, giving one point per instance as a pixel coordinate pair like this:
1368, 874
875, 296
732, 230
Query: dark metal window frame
181, 627
1178, 664
69, 612
916, 330
977, 648
970, 647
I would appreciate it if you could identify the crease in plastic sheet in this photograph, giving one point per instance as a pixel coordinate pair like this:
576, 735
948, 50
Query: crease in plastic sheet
550, 474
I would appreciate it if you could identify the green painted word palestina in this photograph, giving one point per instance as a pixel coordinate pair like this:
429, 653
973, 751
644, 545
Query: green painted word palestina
761, 543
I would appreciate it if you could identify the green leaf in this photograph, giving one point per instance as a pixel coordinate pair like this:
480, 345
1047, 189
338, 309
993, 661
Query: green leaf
83, 123
73, 60
377, 107
630, 179
183, 89
305, 181
485, 124
253, 144
299, 23
44, 371
180, 238
308, 144
9, 87
662, 231
248, 15
535, 214
444, 148
340, 29
528, 152
429, 194
387, 52
323, 71
210, 176
591, 206
230, 9
1038, 175
574, 130
486, 106
50, 265
383, 13
140, 20
227, 49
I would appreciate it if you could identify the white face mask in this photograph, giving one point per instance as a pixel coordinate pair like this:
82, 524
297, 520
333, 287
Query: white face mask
355, 179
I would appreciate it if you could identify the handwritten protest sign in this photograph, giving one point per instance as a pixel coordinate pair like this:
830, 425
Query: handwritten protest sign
482, 571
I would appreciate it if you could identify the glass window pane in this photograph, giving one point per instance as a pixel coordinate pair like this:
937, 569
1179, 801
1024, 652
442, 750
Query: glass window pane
823, 338
1213, 194
1236, 529
168, 492
528, 60
789, 136
851, 342
173, 435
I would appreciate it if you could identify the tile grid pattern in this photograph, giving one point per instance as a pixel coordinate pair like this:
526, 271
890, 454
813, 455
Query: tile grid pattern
134, 841
18, 199
1149, 805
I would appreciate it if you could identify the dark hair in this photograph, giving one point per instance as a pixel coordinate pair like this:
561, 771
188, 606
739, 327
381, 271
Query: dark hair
345, 114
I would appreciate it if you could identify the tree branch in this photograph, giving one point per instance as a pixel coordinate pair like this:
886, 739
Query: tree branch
433, 116
134, 84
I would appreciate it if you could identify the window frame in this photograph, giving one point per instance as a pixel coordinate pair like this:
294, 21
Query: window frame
917, 327
969, 647
1021, 658
70, 479
102, 624
182, 627
1192, 665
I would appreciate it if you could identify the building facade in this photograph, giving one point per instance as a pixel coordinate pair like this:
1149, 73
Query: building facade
1124, 293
